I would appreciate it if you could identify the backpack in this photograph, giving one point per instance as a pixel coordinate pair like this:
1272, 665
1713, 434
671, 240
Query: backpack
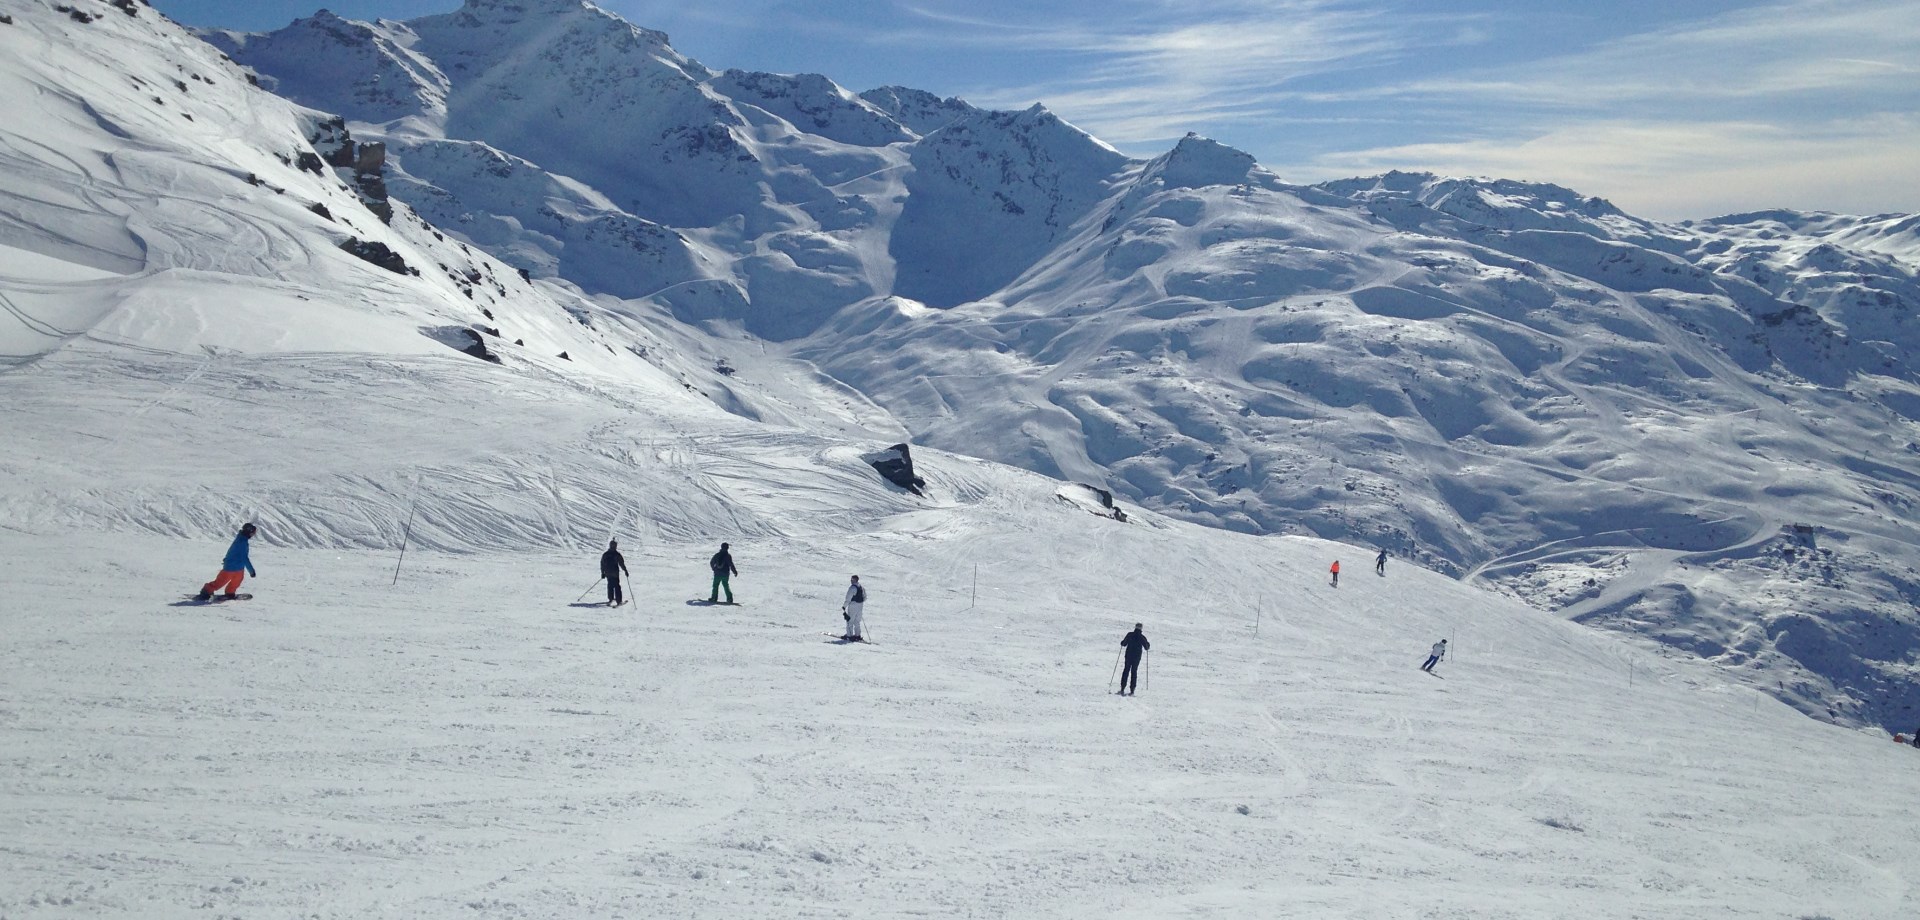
859, 594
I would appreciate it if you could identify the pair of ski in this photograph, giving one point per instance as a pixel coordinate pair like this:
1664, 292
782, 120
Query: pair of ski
219, 598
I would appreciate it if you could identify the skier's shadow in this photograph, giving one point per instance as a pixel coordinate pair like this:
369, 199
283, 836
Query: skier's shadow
594, 604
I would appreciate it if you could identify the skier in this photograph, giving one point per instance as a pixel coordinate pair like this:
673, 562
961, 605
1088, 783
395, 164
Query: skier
1380, 564
1136, 645
612, 566
850, 610
234, 569
1439, 652
722, 566
1336, 573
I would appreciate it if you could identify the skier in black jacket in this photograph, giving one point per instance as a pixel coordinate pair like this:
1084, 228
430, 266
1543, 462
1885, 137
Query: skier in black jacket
722, 566
612, 566
1136, 645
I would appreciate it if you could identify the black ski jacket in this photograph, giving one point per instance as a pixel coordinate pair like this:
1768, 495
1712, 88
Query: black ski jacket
612, 563
722, 561
1136, 642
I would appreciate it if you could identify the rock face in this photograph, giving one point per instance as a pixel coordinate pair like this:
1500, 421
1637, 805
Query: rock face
379, 254
364, 164
895, 465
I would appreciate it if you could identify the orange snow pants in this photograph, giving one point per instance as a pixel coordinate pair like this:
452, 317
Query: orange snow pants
227, 581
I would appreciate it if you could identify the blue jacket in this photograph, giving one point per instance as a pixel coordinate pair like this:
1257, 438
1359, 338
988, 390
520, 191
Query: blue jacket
237, 557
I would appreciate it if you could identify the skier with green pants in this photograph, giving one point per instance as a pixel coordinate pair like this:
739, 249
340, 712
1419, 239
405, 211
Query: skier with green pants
722, 565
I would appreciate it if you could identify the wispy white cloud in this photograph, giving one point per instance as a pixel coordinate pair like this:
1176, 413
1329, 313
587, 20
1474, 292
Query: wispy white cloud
1801, 47
1145, 77
1679, 170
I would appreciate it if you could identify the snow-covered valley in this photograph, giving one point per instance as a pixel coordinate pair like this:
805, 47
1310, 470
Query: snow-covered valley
221, 306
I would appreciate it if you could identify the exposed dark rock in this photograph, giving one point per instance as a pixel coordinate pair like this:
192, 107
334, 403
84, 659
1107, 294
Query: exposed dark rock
520, 342
1106, 497
526, 276
563, 357
895, 465
378, 254
5, 19
463, 340
321, 210
370, 159
310, 161
125, 6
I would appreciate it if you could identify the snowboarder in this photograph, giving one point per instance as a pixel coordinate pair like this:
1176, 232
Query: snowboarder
1136, 645
234, 569
850, 610
1439, 652
612, 566
1380, 564
722, 566
1336, 573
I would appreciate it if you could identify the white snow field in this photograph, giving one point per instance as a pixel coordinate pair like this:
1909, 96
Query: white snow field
472, 743
203, 324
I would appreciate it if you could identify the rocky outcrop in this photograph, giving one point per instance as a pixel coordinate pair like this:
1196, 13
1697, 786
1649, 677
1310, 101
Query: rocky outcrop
379, 254
363, 164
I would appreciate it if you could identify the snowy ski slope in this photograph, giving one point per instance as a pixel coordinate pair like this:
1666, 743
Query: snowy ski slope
1701, 435
188, 348
468, 743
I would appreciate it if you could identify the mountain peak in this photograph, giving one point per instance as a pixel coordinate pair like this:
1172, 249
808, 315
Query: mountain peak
526, 6
1196, 162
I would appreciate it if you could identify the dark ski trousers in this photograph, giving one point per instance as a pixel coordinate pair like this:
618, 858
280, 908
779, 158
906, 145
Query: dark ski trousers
613, 589
1130, 675
1431, 661
719, 585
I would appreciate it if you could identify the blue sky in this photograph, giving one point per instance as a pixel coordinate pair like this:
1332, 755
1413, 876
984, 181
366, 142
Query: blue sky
1672, 109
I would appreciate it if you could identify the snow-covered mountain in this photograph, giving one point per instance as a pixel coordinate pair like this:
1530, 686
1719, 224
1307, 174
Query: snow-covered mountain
220, 306
1701, 433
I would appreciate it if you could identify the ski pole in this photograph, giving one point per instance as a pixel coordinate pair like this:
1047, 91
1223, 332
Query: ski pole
407, 533
1116, 669
596, 584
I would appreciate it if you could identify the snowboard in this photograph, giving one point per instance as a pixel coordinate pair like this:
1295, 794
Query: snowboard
220, 598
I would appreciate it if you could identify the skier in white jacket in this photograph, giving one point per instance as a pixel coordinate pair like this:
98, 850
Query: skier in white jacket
1439, 652
850, 611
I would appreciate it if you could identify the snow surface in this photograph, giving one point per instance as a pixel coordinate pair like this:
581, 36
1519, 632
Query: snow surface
470, 742
446, 735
